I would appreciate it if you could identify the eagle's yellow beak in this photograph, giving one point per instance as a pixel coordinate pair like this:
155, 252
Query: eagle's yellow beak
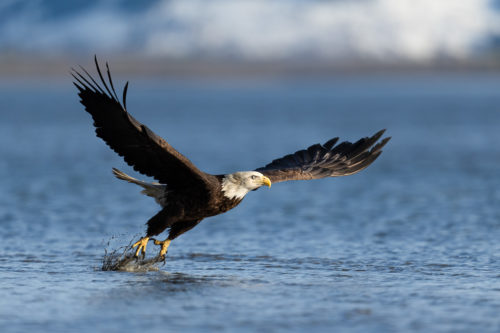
266, 181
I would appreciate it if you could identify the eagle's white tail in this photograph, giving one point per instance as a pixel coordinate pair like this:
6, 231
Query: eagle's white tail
154, 190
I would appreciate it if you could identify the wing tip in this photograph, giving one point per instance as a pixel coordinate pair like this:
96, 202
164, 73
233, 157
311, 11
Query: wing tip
377, 135
84, 81
381, 144
330, 143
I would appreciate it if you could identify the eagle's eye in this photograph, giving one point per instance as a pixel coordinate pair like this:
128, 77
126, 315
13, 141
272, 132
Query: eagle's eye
253, 176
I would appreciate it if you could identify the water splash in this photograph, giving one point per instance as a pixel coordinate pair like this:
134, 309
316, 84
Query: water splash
123, 259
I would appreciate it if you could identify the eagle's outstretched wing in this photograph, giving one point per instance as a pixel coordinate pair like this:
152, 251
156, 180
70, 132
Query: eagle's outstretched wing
327, 160
141, 148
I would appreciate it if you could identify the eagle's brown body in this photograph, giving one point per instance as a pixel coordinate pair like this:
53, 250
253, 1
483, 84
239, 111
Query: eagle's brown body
185, 209
186, 194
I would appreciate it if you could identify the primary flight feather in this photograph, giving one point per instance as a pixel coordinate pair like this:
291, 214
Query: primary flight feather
186, 194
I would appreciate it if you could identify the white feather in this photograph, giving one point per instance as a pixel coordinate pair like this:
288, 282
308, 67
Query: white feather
155, 190
237, 185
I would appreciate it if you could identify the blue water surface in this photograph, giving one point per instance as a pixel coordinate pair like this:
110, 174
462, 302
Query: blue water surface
409, 244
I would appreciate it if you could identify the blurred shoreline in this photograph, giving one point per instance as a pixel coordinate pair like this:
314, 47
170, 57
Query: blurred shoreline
34, 67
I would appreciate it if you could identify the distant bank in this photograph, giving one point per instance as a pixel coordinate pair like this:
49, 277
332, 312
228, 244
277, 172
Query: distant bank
28, 66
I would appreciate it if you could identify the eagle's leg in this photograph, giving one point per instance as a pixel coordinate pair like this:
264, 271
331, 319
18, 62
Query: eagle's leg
141, 246
176, 230
164, 247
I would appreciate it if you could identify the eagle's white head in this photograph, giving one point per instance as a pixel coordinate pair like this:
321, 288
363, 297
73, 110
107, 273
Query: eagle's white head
237, 185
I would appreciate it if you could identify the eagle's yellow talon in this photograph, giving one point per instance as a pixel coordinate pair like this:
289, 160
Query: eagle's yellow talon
164, 247
141, 246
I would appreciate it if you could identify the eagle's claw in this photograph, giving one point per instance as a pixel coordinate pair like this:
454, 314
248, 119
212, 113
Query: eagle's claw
164, 247
141, 245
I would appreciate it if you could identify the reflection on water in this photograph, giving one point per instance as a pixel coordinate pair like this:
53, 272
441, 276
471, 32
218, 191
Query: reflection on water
410, 244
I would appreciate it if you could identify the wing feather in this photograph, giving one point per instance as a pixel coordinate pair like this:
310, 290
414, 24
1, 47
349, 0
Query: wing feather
140, 147
327, 160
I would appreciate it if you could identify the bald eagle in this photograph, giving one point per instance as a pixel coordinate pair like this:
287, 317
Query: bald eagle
186, 194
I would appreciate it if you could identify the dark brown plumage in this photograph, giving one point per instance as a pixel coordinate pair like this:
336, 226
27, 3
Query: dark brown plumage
327, 160
188, 195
